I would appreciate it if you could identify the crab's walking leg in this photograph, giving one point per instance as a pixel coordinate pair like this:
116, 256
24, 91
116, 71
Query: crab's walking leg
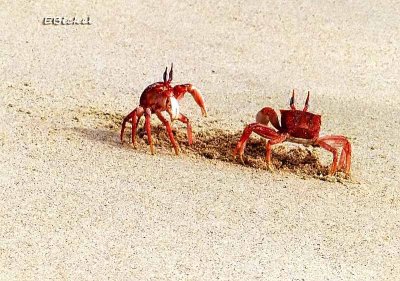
126, 119
243, 141
147, 125
169, 131
135, 121
331, 143
278, 139
264, 131
135, 117
345, 159
326, 146
185, 120
134, 125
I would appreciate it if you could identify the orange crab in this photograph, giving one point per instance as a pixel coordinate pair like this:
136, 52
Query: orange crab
160, 97
297, 126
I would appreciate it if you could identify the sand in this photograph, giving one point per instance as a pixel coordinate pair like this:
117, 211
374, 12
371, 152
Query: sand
78, 205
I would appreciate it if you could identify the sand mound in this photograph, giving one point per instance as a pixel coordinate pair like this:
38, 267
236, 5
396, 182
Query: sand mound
219, 144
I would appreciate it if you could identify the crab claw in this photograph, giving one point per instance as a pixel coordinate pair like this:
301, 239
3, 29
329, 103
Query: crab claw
180, 90
198, 99
173, 108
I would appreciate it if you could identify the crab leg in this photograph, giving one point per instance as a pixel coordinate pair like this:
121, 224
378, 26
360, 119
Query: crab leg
331, 143
169, 131
185, 120
134, 126
264, 131
135, 117
345, 158
135, 121
268, 146
126, 119
147, 125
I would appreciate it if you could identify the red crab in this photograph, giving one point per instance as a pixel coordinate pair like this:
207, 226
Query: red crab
159, 97
297, 126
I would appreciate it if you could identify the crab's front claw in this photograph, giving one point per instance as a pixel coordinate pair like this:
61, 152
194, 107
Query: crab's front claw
198, 98
180, 90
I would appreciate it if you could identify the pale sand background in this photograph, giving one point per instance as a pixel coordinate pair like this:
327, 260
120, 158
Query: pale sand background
76, 205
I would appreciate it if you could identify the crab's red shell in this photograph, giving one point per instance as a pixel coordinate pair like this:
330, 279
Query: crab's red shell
300, 124
155, 96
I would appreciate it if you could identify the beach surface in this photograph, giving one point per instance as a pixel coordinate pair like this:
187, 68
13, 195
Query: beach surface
76, 204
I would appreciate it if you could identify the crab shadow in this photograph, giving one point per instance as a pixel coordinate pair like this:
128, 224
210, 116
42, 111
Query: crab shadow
105, 135
213, 144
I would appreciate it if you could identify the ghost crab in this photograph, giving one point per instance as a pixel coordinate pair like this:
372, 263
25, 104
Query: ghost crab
297, 126
159, 97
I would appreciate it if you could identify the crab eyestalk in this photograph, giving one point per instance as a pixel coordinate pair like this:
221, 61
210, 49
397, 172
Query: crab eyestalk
306, 104
292, 106
165, 75
170, 73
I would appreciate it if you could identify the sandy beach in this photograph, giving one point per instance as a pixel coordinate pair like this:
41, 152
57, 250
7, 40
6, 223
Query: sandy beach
76, 204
